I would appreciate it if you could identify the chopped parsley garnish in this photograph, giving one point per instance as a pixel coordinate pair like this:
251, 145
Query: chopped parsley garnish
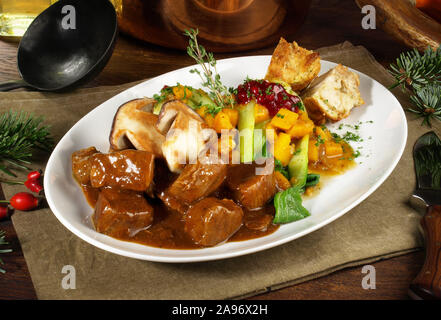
350, 136
320, 141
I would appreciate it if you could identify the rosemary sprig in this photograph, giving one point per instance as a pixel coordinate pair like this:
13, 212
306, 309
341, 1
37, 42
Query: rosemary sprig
2, 242
210, 78
415, 70
20, 134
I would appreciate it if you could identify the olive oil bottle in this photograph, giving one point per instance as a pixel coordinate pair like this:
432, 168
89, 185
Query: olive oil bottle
17, 15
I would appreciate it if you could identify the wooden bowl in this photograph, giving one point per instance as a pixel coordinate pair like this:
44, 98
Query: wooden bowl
224, 25
405, 22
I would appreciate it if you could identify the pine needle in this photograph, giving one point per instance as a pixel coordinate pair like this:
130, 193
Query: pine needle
427, 103
421, 74
2, 242
20, 134
415, 70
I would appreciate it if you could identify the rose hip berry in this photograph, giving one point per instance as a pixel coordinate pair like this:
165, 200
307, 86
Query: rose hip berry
3, 212
23, 201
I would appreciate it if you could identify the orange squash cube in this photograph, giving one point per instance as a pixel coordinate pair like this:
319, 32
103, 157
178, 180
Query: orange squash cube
261, 113
284, 119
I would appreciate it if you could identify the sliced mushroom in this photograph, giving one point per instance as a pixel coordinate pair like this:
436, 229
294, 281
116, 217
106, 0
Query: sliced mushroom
187, 134
135, 125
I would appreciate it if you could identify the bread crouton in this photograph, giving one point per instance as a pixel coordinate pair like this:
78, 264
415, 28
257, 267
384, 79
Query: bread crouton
333, 95
294, 65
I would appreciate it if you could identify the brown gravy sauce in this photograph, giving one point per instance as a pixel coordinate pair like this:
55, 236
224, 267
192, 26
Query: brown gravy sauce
167, 230
336, 165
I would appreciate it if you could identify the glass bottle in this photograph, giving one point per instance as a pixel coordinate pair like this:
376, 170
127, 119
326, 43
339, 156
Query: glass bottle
17, 15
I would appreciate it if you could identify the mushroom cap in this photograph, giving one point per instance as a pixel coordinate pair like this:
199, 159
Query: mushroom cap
187, 134
135, 125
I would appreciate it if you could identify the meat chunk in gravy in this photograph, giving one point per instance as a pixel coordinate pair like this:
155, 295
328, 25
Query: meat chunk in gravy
127, 169
81, 164
212, 221
195, 182
250, 189
122, 214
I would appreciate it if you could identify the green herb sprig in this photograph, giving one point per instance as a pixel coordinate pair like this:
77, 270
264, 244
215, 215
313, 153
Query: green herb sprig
427, 103
20, 134
3, 242
421, 74
210, 78
416, 70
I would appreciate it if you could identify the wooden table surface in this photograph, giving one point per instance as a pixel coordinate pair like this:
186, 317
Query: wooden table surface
329, 22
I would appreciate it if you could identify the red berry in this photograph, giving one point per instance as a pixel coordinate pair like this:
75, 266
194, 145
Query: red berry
24, 201
33, 185
3, 212
34, 175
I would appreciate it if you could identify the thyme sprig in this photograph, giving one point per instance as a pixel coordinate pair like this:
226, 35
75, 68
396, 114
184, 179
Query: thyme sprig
421, 74
3, 242
210, 78
20, 134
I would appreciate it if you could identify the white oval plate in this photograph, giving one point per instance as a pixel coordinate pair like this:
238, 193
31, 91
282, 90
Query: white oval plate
383, 145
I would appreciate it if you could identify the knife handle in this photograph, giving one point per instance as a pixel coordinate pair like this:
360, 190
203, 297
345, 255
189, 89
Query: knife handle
427, 284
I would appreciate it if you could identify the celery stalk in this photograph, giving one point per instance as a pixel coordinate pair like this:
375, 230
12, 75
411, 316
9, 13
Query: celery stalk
260, 139
298, 165
246, 132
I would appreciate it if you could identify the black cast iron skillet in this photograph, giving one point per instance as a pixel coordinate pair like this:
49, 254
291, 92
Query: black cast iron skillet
53, 58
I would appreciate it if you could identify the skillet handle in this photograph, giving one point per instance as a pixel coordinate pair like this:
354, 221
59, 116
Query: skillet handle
10, 85
427, 284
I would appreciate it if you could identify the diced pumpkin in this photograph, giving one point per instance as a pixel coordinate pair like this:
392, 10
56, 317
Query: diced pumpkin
269, 126
333, 149
226, 144
283, 148
222, 122
284, 119
323, 133
181, 92
233, 114
201, 111
303, 115
309, 191
282, 182
261, 113
313, 151
301, 128
209, 119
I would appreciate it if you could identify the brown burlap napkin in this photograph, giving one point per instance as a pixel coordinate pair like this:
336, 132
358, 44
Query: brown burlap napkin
382, 226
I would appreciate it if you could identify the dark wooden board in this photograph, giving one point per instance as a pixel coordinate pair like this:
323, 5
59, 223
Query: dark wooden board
329, 22
405, 22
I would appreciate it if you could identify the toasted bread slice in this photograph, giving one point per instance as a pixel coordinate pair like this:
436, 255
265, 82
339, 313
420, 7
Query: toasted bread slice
333, 95
294, 65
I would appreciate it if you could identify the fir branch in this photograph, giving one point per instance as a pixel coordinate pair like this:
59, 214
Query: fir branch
20, 134
427, 103
209, 76
3, 242
421, 74
415, 70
